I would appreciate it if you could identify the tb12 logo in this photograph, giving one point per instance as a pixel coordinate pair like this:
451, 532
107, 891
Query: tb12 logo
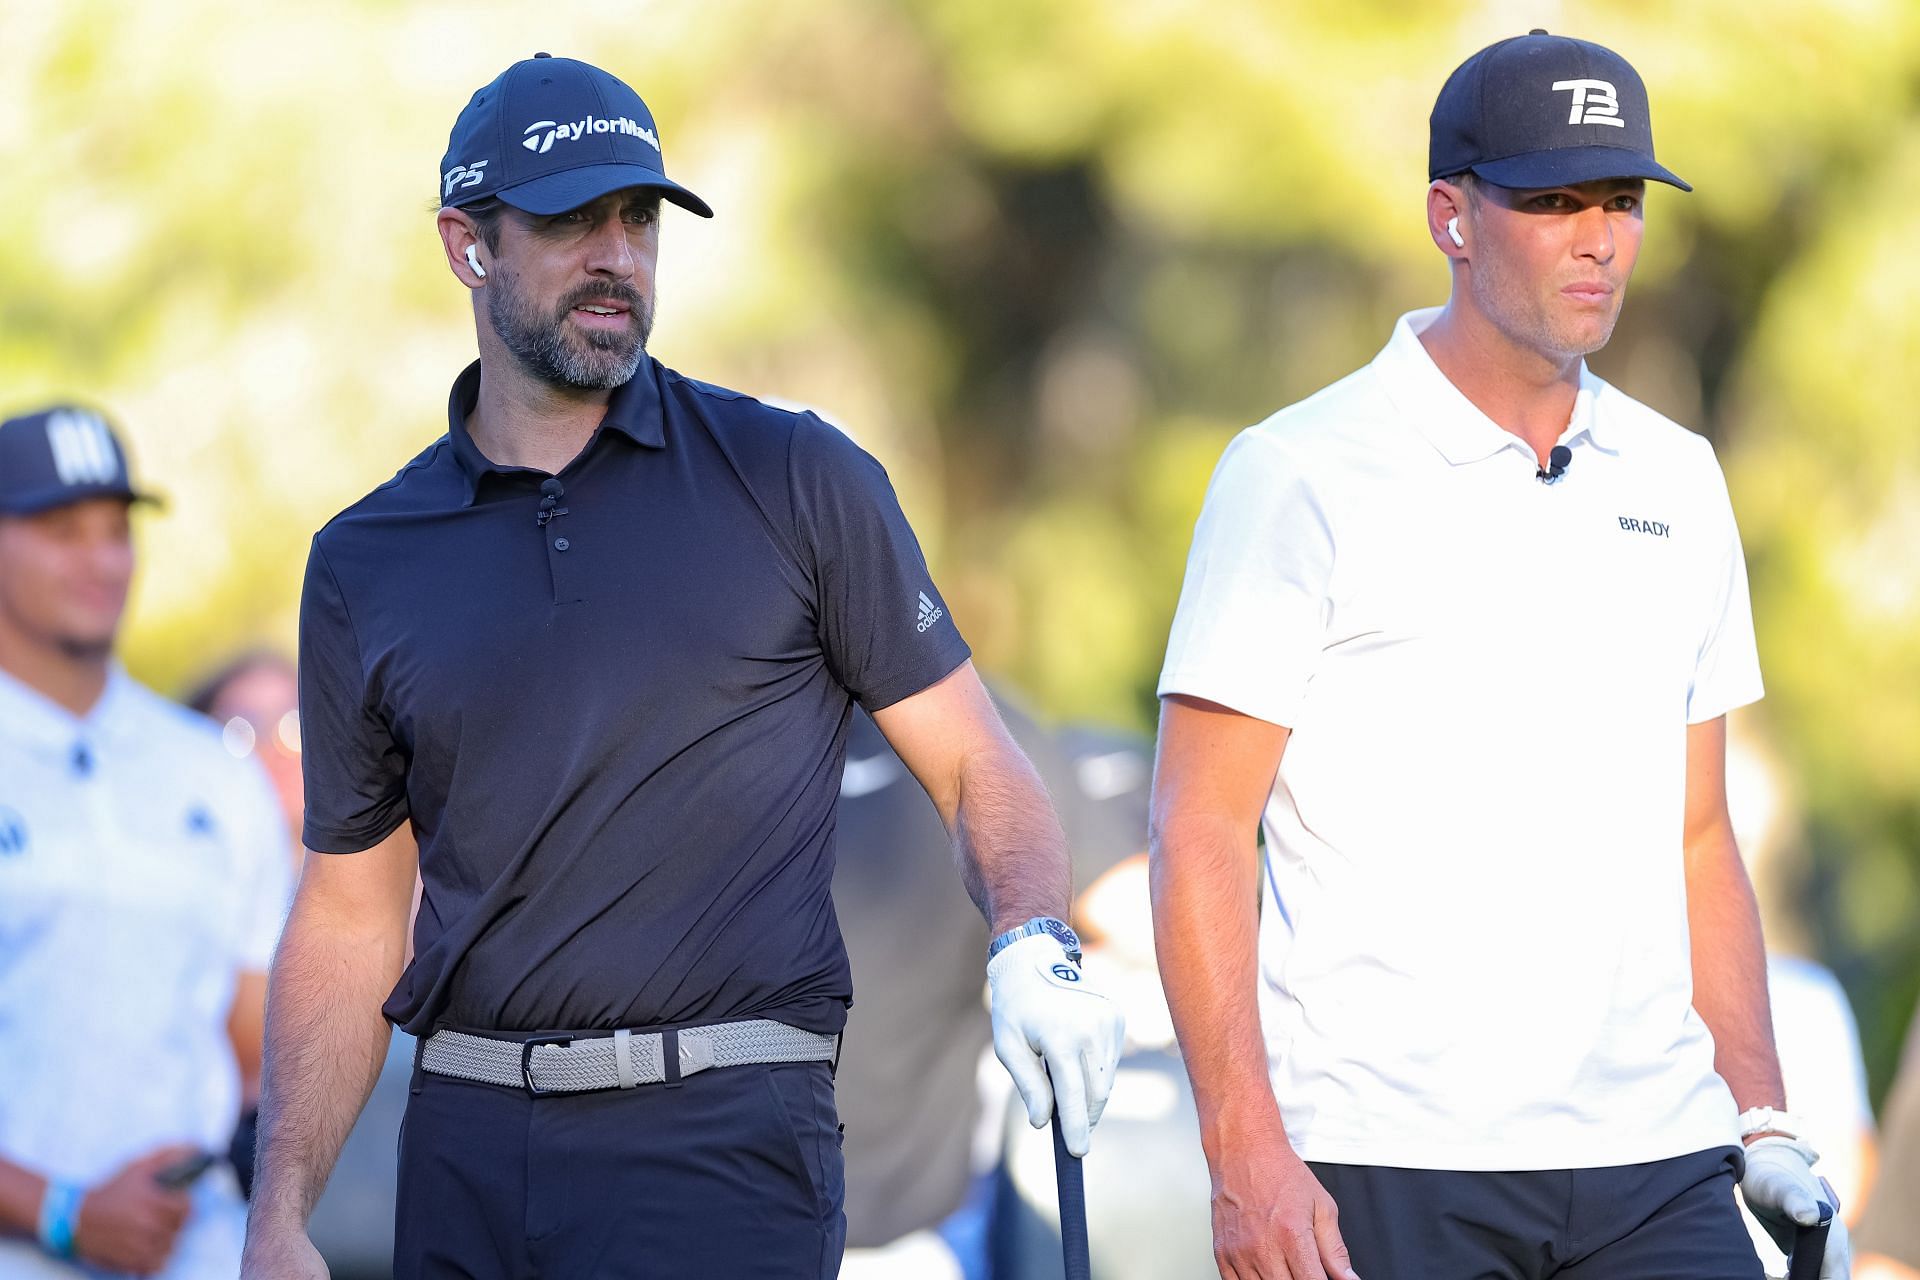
1594, 102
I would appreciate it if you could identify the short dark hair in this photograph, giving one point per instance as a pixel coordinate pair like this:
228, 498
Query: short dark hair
487, 214
1466, 180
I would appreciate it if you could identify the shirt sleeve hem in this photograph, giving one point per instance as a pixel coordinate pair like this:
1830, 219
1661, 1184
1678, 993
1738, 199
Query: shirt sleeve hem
1273, 708
893, 691
324, 839
1700, 711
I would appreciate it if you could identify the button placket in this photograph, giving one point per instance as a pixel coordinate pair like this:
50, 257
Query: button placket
567, 567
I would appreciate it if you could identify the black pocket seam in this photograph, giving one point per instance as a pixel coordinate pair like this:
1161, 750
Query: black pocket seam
794, 1145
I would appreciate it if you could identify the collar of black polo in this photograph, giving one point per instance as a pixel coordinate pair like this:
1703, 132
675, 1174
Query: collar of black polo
633, 410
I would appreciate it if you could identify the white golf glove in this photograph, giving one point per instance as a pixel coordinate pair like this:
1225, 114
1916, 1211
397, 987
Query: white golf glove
1782, 1191
1047, 1020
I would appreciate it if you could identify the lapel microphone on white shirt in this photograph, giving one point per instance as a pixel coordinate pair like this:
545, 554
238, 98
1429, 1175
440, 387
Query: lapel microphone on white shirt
551, 492
1557, 459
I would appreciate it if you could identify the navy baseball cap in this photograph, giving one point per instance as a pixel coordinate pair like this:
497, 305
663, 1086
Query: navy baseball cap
551, 134
1544, 111
60, 455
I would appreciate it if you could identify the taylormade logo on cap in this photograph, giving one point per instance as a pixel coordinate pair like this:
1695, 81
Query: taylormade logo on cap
542, 134
582, 134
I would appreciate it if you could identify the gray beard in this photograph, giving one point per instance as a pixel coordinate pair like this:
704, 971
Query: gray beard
541, 346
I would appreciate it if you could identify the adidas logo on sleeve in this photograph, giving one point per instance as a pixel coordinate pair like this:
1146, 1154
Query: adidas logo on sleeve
930, 612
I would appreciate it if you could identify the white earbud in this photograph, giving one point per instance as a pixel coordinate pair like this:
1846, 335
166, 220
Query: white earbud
473, 260
1453, 230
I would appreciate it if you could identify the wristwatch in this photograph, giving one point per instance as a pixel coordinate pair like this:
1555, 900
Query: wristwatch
1059, 930
1768, 1120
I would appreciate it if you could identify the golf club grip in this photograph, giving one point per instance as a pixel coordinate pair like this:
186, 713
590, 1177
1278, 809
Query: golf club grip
1809, 1250
1073, 1206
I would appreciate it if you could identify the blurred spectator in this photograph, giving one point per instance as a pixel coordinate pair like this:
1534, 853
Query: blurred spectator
1888, 1246
1814, 1031
143, 880
921, 1117
255, 700
1826, 1081
1825, 1074
1148, 1214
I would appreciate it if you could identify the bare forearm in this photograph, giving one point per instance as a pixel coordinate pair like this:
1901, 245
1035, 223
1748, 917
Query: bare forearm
1204, 876
1730, 971
325, 1042
1008, 842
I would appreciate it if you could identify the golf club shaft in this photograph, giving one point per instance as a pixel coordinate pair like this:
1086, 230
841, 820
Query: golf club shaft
1073, 1207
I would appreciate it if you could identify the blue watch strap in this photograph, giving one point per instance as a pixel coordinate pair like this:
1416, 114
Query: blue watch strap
1059, 930
60, 1217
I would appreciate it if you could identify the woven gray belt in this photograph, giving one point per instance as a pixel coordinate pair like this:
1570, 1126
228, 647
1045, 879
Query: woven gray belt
622, 1060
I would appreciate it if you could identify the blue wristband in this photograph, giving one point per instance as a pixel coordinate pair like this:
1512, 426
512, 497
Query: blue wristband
60, 1216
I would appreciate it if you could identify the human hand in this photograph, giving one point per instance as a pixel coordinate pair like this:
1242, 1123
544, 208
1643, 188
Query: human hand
1047, 1022
129, 1222
1272, 1220
1782, 1191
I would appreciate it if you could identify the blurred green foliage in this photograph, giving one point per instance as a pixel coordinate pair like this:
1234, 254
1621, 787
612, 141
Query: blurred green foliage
1043, 257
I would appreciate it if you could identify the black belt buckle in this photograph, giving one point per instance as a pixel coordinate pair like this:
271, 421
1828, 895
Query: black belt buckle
526, 1062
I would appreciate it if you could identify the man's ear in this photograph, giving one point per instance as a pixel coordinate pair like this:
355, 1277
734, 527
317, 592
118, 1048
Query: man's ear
1448, 219
466, 251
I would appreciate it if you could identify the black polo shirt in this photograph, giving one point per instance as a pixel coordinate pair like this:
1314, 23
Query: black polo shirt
619, 735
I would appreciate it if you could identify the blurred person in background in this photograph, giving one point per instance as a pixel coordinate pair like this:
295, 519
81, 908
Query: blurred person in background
1889, 1241
143, 879
920, 1186
1825, 1075
1464, 628
588, 664
1147, 1206
255, 699
1821, 1063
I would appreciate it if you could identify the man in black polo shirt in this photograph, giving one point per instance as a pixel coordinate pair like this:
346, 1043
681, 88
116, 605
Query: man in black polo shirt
593, 655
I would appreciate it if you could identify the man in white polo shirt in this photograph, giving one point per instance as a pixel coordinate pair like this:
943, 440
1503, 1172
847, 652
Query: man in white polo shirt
143, 877
1494, 1003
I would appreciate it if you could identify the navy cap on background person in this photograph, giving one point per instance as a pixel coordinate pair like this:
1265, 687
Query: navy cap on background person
1542, 110
551, 134
60, 455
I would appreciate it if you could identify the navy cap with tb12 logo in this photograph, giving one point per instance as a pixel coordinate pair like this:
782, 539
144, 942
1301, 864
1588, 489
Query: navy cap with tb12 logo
1541, 110
551, 134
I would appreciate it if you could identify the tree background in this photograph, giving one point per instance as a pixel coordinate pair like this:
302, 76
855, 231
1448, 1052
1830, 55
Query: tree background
1043, 257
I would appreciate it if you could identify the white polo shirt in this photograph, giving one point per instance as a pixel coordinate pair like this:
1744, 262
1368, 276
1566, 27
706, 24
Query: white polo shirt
1473, 932
142, 868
